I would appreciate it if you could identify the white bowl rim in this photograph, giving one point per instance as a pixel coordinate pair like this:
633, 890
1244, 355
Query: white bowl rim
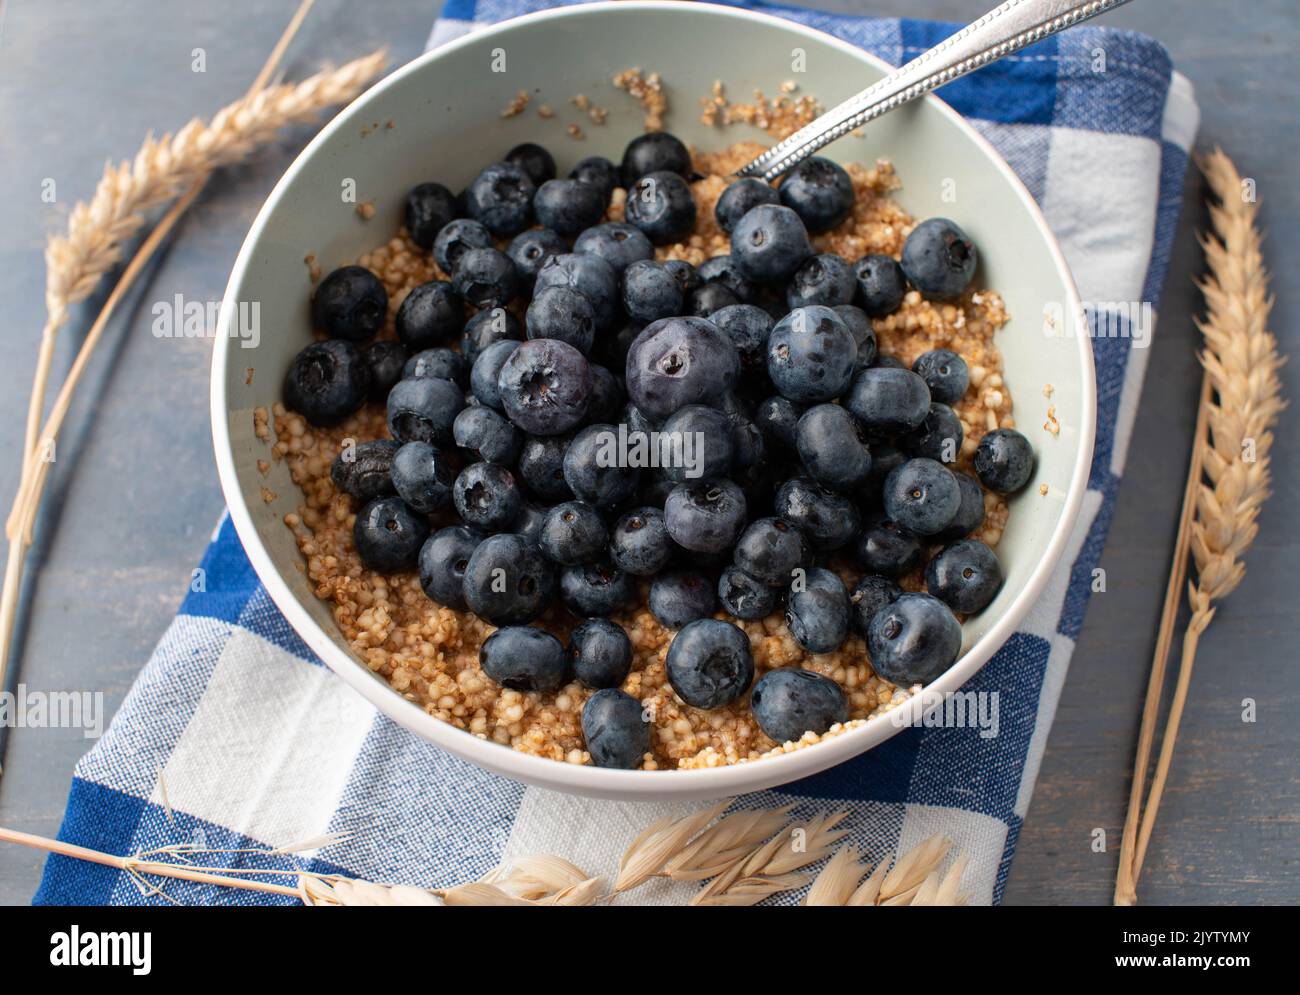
712, 782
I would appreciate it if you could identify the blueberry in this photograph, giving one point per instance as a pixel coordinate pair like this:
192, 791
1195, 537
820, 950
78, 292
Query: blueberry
964, 575
826, 519
440, 362
568, 206
326, 382
351, 303
939, 259
696, 443
709, 299
385, 360
501, 199
640, 544
888, 549
890, 362
533, 160
686, 275
524, 658
529, 251
362, 471
742, 196
709, 663
444, 558
599, 172
944, 372
486, 371
573, 533
615, 730
938, 437
745, 597
884, 459
705, 516
880, 284
545, 386
887, 399
617, 242
654, 152
429, 207
777, 418
970, 513
485, 434
748, 327
859, 326
819, 191
823, 279
564, 315
913, 640
726, 271
661, 205
600, 654
1004, 460
423, 409
594, 590
678, 597
789, 702
679, 361
922, 495
830, 444
486, 327
589, 275
529, 522
487, 496
650, 291
486, 278
457, 239
607, 397
817, 611
811, 355
541, 467
430, 314
770, 550
870, 594
388, 535
422, 477
508, 581
592, 470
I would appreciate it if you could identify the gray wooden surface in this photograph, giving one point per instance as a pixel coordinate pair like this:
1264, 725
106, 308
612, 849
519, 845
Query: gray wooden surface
134, 492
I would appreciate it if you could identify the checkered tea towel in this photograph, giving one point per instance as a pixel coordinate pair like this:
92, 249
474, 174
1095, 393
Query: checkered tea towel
236, 735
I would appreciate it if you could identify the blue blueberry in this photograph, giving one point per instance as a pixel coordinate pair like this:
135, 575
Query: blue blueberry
661, 205
725, 270
811, 355
884, 459
922, 495
363, 471
705, 516
938, 437
740, 198
615, 730
679, 597
869, 595
830, 445
529, 523
945, 373
827, 520
440, 362
970, 513
789, 702
599, 172
326, 383
385, 360
617, 242
423, 409
640, 544
824, 279
508, 581
486, 278
541, 467
444, 558
483, 433
654, 152
819, 191
859, 326
607, 397
704, 301
351, 303
686, 275
456, 239
710, 664
388, 535
486, 372
748, 327
533, 160
938, 259
699, 440
422, 477
817, 611
880, 284
568, 206
524, 658
486, 327
913, 640
529, 251
888, 400
501, 199
564, 315
589, 275
777, 418
429, 207
600, 654
747, 444
965, 576
592, 470
1004, 460
745, 597
487, 497
679, 361
594, 590
650, 291
890, 362
770, 550
545, 386
887, 549
431, 313
574, 532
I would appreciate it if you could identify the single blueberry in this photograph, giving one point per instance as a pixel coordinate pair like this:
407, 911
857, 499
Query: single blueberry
745, 597
529, 522
574, 532
887, 400
363, 471
430, 314
1004, 460
487, 497
770, 550
599, 172
486, 327
385, 359
709, 663
709, 299
444, 558
486, 278
748, 327
640, 544
617, 242
880, 284
600, 654
524, 658
351, 303
679, 361
777, 418
819, 191
568, 206
828, 520
388, 535
859, 326
545, 386
705, 516
423, 477
970, 513
965, 576
650, 291
508, 581
888, 549
429, 207
654, 152
695, 443
939, 259
661, 205
441, 362
483, 433
922, 495
456, 239
725, 270
423, 409
486, 371
615, 730
589, 275
789, 702
811, 355
913, 640
823, 279
869, 595
564, 315
678, 597
831, 446
501, 199
938, 437
326, 382
541, 467
817, 610
593, 470
594, 590
686, 275
944, 372
739, 198
529, 251
533, 160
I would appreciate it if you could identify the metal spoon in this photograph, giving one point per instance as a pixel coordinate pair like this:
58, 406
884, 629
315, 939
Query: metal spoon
1006, 29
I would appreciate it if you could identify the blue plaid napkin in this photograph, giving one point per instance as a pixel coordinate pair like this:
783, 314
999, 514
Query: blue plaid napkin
235, 736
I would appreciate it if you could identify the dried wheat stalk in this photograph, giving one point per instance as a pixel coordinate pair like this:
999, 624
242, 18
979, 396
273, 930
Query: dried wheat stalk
1229, 476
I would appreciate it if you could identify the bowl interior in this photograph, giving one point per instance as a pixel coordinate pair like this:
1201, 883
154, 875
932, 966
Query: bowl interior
440, 118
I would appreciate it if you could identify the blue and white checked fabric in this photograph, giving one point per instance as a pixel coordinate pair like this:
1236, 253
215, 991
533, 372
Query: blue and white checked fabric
234, 734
